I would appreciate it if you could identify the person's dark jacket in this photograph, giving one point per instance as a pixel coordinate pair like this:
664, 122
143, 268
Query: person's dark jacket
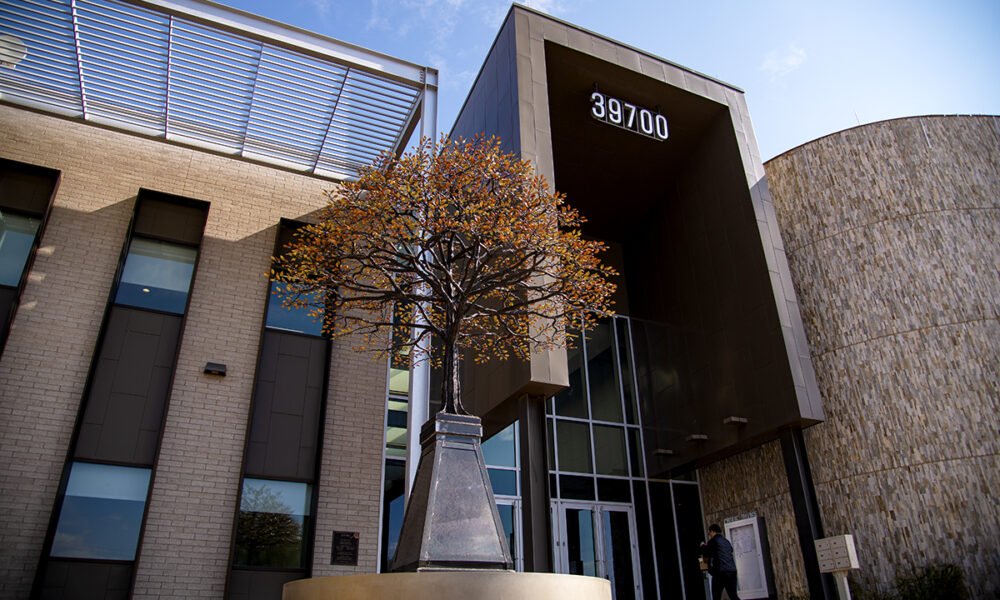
719, 554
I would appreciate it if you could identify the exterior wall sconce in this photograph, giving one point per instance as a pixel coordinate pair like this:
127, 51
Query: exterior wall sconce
663, 452
738, 421
215, 369
696, 437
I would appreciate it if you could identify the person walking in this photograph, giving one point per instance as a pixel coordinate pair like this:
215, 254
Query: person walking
718, 552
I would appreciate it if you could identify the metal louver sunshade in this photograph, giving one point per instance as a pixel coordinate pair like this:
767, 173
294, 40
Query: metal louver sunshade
201, 74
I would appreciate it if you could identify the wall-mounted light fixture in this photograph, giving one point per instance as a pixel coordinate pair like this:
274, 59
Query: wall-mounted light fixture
663, 452
215, 369
696, 437
732, 420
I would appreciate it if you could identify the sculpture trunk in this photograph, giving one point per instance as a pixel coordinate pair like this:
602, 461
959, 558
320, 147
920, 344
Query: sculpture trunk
452, 388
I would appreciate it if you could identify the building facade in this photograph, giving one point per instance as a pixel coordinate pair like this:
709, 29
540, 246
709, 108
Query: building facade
892, 234
825, 360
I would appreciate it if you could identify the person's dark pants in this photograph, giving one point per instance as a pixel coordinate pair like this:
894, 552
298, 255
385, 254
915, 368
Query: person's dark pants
724, 581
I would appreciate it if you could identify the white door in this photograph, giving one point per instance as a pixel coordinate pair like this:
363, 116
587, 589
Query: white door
598, 540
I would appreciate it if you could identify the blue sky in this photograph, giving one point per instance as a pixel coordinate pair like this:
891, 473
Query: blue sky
808, 68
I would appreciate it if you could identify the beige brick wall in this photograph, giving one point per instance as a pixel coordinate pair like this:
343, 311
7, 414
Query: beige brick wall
893, 237
185, 551
350, 488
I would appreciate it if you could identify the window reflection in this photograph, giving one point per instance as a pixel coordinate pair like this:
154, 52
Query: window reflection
572, 402
101, 512
609, 450
507, 519
273, 523
392, 510
574, 446
156, 275
625, 366
395, 428
499, 450
504, 482
605, 397
17, 234
299, 319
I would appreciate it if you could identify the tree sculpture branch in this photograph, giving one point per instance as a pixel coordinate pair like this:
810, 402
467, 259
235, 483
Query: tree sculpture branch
458, 241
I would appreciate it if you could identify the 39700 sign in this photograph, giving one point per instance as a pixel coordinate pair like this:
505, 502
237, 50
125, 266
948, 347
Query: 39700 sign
629, 116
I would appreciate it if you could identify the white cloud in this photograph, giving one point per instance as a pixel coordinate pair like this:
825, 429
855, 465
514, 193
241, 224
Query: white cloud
779, 63
322, 7
549, 7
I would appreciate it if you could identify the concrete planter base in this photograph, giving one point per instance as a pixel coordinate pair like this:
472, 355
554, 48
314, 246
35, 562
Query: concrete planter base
450, 585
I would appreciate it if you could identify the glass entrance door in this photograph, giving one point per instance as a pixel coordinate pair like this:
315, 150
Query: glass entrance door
598, 540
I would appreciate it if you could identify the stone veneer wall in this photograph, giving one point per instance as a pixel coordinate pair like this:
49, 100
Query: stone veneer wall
186, 545
893, 236
754, 481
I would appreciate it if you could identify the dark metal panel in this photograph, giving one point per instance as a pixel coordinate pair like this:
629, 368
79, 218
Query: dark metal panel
170, 218
286, 408
259, 585
26, 188
82, 580
124, 409
8, 301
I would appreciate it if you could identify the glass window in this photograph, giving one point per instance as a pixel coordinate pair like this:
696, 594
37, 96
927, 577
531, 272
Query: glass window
301, 319
17, 233
273, 524
574, 487
393, 504
605, 397
399, 365
574, 446
625, 360
504, 482
395, 430
609, 450
549, 442
507, 519
500, 450
613, 490
634, 448
572, 402
101, 512
157, 275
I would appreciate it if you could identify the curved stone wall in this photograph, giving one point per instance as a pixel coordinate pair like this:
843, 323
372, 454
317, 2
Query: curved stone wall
892, 232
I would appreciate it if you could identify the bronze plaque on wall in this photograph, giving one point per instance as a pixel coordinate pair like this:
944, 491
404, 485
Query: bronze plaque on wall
345, 548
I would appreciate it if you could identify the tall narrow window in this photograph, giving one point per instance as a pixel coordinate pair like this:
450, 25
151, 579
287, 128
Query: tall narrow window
273, 543
156, 275
97, 530
17, 235
102, 512
273, 524
500, 452
25, 197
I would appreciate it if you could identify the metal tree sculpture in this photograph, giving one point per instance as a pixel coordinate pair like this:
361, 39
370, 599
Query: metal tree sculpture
456, 241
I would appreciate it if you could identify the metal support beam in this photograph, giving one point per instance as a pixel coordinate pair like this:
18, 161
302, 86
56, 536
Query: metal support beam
537, 540
807, 517
428, 108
